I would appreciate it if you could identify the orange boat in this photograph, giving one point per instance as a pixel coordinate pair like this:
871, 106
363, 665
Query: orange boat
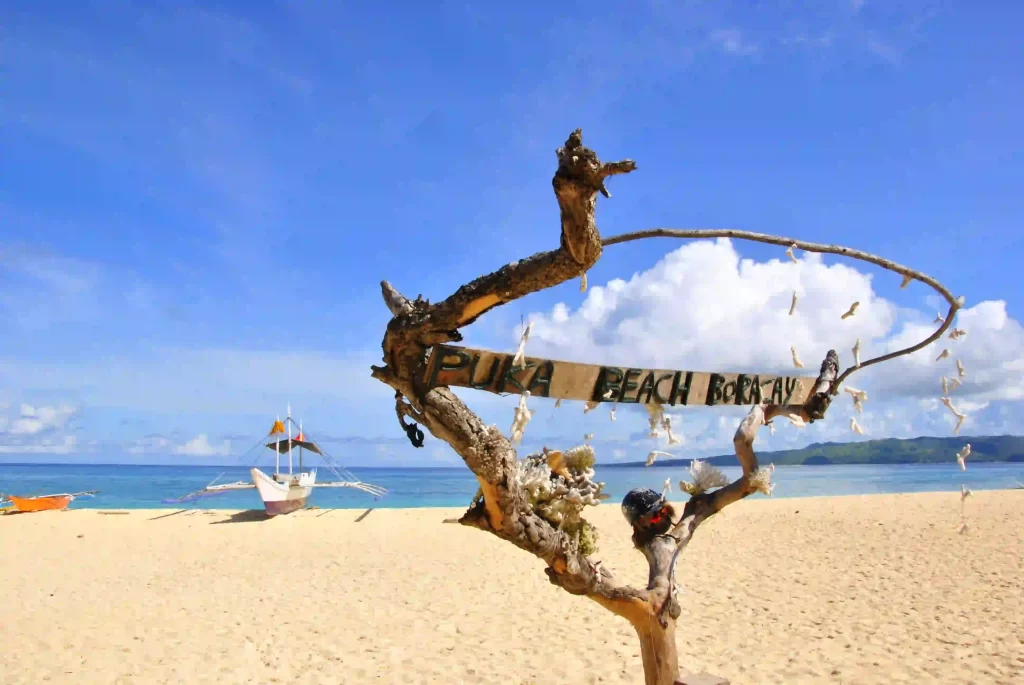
45, 502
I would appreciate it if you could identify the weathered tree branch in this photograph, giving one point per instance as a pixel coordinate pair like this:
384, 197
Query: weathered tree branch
515, 500
417, 325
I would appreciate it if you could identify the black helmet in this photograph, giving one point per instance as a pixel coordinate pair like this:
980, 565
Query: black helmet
640, 502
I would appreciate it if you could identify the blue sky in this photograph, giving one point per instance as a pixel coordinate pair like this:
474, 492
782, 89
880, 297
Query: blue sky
199, 200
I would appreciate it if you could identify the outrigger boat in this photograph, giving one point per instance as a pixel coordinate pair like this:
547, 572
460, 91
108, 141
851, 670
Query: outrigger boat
283, 493
57, 502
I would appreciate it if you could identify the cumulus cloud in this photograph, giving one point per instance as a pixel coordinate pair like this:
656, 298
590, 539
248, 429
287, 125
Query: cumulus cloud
992, 354
200, 446
703, 307
37, 420
37, 430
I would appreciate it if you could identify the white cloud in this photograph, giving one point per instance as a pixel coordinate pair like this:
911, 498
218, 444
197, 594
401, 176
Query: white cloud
992, 354
37, 430
200, 446
702, 307
37, 420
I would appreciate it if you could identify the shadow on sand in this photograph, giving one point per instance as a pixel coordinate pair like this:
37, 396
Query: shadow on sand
247, 516
364, 514
173, 513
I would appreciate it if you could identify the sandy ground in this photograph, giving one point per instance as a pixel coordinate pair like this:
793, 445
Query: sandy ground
869, 590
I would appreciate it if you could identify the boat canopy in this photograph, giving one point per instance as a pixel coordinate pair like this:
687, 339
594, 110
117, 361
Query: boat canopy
284, 445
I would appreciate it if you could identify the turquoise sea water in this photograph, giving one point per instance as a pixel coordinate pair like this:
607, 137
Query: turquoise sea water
143, 487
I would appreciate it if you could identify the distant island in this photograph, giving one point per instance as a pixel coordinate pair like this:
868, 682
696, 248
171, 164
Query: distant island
994, 448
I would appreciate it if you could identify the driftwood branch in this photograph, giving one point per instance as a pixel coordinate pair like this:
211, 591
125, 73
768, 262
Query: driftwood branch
535, 503
503, 507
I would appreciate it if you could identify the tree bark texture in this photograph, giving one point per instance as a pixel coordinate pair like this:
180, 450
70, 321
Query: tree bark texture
502, 507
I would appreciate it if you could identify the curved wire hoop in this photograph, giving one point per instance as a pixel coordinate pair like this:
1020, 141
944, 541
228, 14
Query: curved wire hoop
702, 233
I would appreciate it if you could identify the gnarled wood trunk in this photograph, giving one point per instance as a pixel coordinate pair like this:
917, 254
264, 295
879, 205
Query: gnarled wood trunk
502, 506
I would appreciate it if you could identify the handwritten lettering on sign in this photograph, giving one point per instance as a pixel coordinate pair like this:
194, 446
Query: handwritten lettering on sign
494, 372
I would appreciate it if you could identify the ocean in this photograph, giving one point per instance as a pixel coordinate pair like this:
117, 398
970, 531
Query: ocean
144, 487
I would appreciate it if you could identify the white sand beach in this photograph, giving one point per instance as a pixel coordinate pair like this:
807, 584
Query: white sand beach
867, 589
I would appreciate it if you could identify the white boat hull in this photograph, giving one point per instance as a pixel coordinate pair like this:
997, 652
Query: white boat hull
285, 493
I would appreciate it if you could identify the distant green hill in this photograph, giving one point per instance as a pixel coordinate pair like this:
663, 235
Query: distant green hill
1000, 448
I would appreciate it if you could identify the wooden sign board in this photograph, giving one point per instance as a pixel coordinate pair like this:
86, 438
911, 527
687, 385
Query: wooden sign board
464, 367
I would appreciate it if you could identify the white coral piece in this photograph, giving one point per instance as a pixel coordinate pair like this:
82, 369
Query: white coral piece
555, 498
705, 477
761, 480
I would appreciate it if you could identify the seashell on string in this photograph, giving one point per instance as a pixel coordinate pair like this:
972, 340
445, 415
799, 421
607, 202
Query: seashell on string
858, 397
851, 311
855, 427
962, 455
939, 318
907, 278
520, 418
792, 304
942, 355
520, 355
653, 455
957, 333
611, 413
656, 418
856, 354
796, 359
789, 252
959, 424
960, 416
666, 423
960, 369
949, 405
590, 405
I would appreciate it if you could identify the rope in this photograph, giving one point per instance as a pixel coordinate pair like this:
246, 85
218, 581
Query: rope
345, 475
